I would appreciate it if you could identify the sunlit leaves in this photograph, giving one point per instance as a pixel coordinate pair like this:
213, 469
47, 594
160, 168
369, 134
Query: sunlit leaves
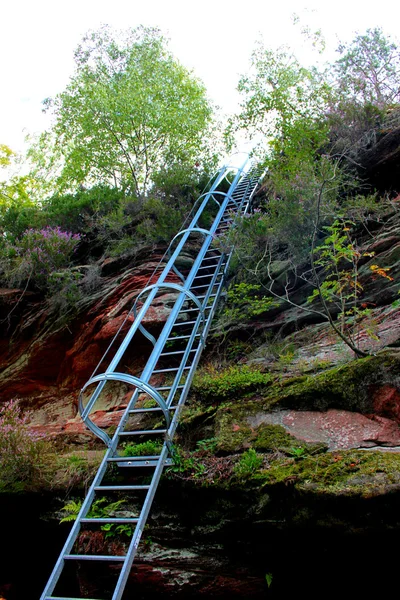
128, 111
369, 69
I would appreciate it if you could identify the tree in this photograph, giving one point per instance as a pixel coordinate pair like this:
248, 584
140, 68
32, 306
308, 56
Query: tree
285, 102
17, 210
368, 71
129, 111
282, 243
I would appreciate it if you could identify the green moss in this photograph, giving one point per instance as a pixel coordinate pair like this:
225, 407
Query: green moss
237, 380
348, 472
234, 434
347, 386
231, 430
274, 438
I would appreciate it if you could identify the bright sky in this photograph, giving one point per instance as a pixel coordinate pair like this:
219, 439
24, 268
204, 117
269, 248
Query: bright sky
213, 37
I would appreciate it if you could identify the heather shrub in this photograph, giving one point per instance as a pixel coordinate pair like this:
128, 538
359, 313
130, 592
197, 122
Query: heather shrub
38, 254
21, 450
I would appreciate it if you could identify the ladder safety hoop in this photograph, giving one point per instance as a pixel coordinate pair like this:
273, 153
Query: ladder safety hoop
216, 192
125, 378
205, 232
172, 286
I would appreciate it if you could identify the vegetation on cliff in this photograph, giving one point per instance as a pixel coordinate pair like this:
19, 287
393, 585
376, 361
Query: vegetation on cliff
119, 171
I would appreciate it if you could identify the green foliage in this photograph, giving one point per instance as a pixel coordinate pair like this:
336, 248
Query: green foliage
74, 470
6, 155
268, 578
243, 302
100, 509
71, 510
286, 103
186, 462
207, 445
160, 222
38, 255
81, 211
249, 463
368, 70
21, 450
64, 291
129, 111
149, 448
338, 256
216, 384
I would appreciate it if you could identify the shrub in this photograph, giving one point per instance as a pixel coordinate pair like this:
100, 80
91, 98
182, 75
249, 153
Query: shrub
80, 211
244, 301
38, 254
160, 221
21, 450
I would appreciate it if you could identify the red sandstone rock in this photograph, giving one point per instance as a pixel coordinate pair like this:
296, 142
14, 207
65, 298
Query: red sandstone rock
338, 429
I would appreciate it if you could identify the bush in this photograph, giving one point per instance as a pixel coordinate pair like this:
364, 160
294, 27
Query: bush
38, 254
80, 211
160, 221
244, 301
21, 450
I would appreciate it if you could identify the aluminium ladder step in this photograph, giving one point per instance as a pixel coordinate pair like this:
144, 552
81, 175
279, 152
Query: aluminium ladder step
102, 520
104, 557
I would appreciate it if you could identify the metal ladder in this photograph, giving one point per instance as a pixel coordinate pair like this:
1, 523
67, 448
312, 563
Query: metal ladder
158, 394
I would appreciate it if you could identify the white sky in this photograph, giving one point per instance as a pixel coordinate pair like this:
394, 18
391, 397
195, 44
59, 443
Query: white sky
213, 37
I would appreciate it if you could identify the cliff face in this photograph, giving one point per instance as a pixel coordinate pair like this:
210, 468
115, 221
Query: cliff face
287, 444
46, 360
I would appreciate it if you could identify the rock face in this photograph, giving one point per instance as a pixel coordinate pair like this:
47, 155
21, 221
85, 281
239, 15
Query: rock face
44, 363
380, 164
297, 462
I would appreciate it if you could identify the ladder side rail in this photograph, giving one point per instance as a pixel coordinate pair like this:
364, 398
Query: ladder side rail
191, 340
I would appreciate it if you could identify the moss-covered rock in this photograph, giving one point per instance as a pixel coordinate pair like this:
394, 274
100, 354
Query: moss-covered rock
348, 386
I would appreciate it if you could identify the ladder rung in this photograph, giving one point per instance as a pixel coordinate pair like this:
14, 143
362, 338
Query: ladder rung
143, 460
168, 387
201, 298
197, 287
110, 488
146, 410
109, 520
66, 598
195, 308
182, 337
94, 557
179, 351
135, 462
207, 267
170, 370
143, 432
203, 276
